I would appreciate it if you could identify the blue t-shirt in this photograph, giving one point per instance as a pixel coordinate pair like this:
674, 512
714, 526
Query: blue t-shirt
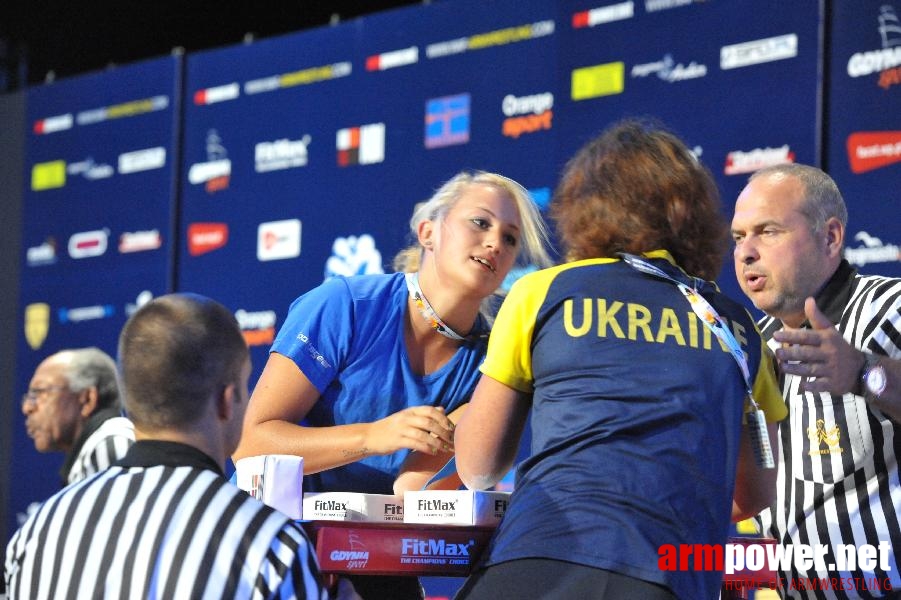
347, 336
636, 418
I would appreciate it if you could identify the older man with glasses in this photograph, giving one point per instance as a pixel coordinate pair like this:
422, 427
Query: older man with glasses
72, 406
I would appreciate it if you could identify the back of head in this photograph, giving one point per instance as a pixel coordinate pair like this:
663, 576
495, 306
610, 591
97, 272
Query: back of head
822, 198
175, 354
534, 241
92, 367
637, 188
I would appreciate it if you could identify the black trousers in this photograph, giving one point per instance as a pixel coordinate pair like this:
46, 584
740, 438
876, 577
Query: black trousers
545, 579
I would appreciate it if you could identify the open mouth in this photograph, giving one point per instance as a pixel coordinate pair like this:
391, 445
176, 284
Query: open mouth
755, 282
488, 264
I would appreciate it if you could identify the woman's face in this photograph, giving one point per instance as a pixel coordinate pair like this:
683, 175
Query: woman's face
477, 242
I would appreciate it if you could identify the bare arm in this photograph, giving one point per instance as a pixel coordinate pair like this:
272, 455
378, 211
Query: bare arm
487, 436
282, 398
419, 467
755, 488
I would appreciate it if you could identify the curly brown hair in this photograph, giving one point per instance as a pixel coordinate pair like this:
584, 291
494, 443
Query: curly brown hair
636, 188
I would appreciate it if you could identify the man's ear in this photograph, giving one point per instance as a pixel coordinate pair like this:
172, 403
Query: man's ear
835, 236
87, 401
225, 402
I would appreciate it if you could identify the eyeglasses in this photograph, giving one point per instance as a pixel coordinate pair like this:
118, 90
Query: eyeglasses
33, 395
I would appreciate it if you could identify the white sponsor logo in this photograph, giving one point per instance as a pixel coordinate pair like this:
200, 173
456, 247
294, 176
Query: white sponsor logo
281, 154
867, 63
755, 52
277, 240
523, 105
748, 162
142, 299
354, 256
669, 70
139, 241
610, 13
872, 250
88, 243
219, 93
45, 254
397, 58
89, 169
86, 313
217, 163
142, 160
263, 319
655, 5
56, 123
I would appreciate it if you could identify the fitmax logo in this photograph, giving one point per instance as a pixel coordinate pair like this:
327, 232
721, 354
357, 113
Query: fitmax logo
433, 547
437, 505
329, 505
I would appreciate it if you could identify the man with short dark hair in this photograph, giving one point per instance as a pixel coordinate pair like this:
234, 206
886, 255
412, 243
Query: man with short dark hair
837, 337
164, 522
72, 406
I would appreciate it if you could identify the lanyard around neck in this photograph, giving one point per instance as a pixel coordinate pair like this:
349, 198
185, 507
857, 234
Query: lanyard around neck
705, 312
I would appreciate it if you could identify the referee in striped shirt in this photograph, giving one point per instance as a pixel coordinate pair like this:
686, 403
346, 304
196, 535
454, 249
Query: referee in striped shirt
837, 338
164, 522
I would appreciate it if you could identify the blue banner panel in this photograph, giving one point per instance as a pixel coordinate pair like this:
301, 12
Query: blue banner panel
304, 155
737, 81
864, 133
97, 225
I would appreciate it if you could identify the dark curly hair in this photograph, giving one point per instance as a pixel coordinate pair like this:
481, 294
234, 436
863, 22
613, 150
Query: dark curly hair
635, 188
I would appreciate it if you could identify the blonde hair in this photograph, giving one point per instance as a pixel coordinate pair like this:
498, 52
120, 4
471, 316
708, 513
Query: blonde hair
534, 243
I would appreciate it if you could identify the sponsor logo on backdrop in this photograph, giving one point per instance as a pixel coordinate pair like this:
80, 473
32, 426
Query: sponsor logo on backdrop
765, 50
89, 169
281, 154
868, 150
447, 121
219, 93
498, 37
527, 114
603, 14
393, 59
44, 254
53, 124
354, 556
738, 161
871, 250
37, 324
258, 327
140, 241
886, 61
669, 70
364, 145
277, 240
354, 255
296, 78
142, 299
85, 313
655, 5
598, 80
48, 175
206, 237
88, 244
132, 108
146, 159
215, 173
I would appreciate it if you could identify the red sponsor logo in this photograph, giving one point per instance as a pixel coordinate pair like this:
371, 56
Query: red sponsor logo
206, 237
868, 150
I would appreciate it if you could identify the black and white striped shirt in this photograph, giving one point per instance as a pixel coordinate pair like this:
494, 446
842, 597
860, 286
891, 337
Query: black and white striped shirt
838, 478
162, 523
105, 439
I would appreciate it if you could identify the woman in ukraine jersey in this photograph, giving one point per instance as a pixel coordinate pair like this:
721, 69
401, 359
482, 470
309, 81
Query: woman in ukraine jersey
637, 408
366, 376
